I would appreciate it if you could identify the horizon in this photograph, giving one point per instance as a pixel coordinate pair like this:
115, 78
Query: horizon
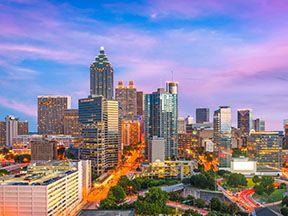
220, 53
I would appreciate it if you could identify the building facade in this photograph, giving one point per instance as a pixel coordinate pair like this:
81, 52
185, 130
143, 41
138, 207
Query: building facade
51, 111
2, 133
101, 76
259, 125
160, 118
202, 115
43, 149
244, 120
285, 145
222, 135
131, 134
140, 103
127, 98
71, 123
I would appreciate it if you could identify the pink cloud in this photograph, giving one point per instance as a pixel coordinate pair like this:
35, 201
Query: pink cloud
17, 106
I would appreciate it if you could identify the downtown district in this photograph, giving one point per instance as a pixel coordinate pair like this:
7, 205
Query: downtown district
79, 156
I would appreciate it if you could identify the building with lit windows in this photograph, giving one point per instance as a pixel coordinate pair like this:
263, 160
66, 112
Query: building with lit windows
43, 148
127, 98
99, 119
266, 149
202, 115
258, 125
244, 120
188, 144
51, 113
47, 188
160, 118
285, 145
167, 169
140, 103
181, 125
2, 133
71, 123
131, 134
101, 76
222, 135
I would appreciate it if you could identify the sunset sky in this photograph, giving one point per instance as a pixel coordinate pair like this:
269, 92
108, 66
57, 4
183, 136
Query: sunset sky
222, 52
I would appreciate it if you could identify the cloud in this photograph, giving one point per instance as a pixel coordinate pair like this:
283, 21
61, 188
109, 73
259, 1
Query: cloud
18, 106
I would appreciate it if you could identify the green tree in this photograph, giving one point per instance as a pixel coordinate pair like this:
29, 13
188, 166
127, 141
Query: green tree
233, 209
215, 204
256, 179
191, 212
285, 201
259, 189
284, 211
268, 184
118, 193
200, 203
236, 180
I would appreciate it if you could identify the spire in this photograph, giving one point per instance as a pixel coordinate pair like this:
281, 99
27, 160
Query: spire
101, 50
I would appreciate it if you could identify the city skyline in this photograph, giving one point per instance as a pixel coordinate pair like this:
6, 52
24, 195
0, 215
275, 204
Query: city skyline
214, 64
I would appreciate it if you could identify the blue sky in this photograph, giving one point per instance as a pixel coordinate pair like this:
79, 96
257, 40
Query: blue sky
222, 52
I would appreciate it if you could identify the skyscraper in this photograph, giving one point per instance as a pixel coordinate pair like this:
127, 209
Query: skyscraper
285, 145
43, 149
202, 115
130, 132
160, 118
222, 135
11, 129
127, 98
140, 100
258, 125
244, 120
99, 119
23, 128
51, 113
2, 134
101, 76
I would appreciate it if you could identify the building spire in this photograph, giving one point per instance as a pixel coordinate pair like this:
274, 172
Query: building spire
101, 50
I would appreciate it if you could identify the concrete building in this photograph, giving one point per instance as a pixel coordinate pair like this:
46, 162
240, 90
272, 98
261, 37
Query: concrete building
127, 98
71, 123
51, 114
181, 125
102, 76
285, 145
202, 115
188, 144
259, 125
244, 121
244, 166
156, 149
49, 188
131, 134
43, 149
140, 103
222, 135
2, 133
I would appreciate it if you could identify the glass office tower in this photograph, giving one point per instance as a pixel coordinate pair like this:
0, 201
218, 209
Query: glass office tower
244, 120
202, 115
222, 135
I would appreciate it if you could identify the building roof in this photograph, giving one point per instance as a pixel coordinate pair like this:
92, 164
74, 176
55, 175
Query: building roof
265, 212
88, 212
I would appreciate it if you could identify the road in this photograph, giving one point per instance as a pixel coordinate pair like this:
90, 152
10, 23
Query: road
101, 191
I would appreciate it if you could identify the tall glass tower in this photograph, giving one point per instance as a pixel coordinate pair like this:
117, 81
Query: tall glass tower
101, 76
160, 118
222, 135
244, 120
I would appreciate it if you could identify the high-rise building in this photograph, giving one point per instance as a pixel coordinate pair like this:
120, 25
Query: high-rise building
43, 149
101, 76
285, 145
130, 132
127, 98
267, 148
160, 118
202, 115
188, 145
2, 133
181, 125
11, 129
71, 122
258, 125
99, 119
140, 102
156, 149
244, 120
222, 135
51, 113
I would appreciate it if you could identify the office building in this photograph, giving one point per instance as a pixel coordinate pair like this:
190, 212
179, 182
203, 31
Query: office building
285, 145
43, 149
222, 135
2, 134
156, 149
244, 121
181, 125
23, 127
160, 118
266, 149
51, 113
71, 123
99, 119
202, 115
131, 134
188, 145
11, 129
259, 125
127, 98
101, 76
140, 103
48, 188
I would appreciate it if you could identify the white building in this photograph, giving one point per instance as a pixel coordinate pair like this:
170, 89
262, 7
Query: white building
48, 188
157, 149
209, 145
243, 165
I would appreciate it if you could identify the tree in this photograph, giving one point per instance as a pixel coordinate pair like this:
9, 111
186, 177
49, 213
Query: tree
118, 193
284, 211
200, 203
236, 179
282, 186
256, 179
233, 209
191, 212
285, 201
259, 189
268, 184
215, 204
